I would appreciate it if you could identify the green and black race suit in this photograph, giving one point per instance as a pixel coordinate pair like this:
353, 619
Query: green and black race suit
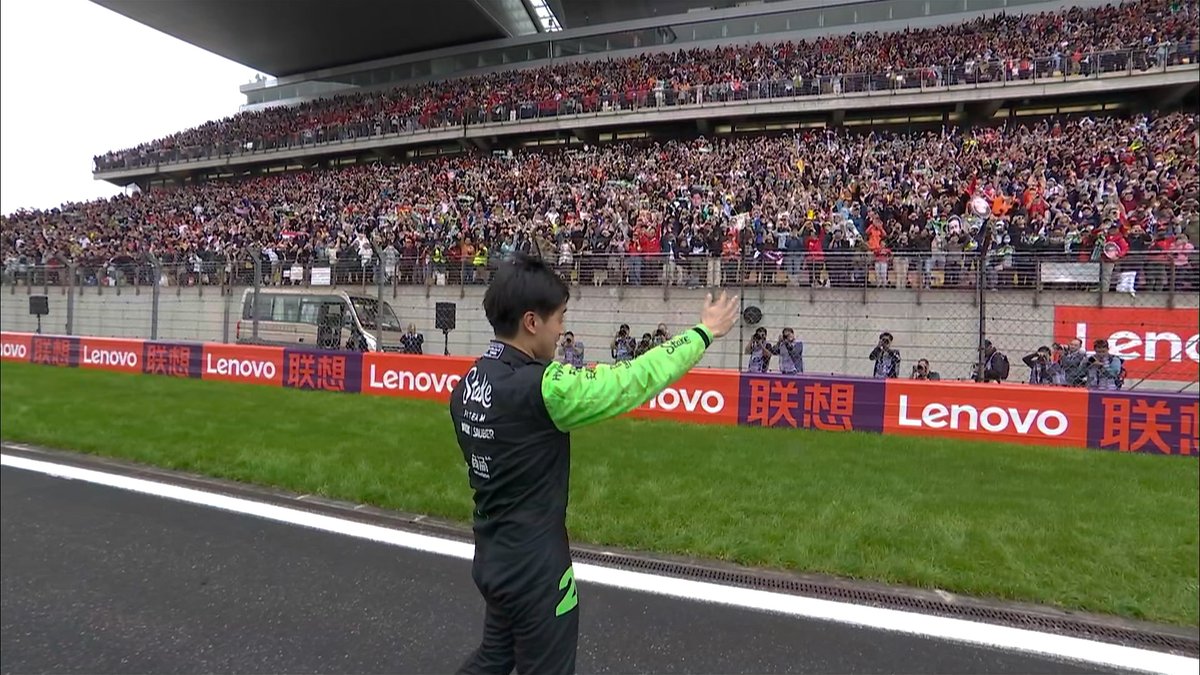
513, 415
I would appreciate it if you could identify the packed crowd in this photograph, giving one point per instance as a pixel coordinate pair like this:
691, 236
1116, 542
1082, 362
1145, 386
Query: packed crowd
822, 207
1147, 33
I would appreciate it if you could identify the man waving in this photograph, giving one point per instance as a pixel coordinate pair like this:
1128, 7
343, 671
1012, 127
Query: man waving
513, 413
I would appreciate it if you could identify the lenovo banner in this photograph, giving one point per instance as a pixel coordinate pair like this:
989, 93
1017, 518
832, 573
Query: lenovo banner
1024, 414
1161, 424
322, 370
702, 396
171, 359
122, 356
54, 351
1121, 421
412, 375
15, 347
243, 363
1156, 344
802, 402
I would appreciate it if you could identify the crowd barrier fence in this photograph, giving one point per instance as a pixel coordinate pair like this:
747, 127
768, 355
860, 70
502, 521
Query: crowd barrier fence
1136, 422
940, 306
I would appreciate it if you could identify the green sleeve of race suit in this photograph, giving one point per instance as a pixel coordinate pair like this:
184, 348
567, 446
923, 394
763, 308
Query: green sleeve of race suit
577, 397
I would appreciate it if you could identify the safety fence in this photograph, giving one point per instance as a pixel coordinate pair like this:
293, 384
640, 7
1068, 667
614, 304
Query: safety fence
1138, 422
1165, 270
968, 74
937, 308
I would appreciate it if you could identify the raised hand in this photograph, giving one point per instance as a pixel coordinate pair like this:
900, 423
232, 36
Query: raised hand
719, 316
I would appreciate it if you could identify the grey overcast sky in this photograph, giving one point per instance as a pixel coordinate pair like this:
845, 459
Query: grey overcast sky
77, 80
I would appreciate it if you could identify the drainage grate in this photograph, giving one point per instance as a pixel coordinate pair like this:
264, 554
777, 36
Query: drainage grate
1081, 628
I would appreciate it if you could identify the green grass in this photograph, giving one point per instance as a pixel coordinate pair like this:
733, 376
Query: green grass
1095, 531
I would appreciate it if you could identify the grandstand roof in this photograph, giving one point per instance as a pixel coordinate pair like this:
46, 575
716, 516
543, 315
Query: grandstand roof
288, 37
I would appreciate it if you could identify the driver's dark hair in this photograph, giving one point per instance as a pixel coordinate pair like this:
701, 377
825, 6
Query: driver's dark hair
522, 284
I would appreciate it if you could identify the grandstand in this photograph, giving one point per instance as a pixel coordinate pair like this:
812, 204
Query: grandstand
764, 67
922, 193
772, 144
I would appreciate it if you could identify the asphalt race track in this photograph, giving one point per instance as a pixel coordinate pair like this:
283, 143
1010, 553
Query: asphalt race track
102, 580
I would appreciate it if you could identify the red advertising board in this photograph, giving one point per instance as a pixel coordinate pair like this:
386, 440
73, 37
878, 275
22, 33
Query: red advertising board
122, 356
1155, 343
243, 363
1150, 422
702, 396
14, 347
1013, 413
412, 375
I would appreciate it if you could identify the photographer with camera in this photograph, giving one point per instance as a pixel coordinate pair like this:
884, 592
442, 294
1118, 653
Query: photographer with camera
646, 344
623, 345
660, 335
1043, 369
791, 353
921, 371
760, 352
887, 360
1104, 371
570, 350
1073, 364
995, 365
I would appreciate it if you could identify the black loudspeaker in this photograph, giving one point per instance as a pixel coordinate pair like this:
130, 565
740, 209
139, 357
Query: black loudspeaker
752, 315
444, 315
39, 305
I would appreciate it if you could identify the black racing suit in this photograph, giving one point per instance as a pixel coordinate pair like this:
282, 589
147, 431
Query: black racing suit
512, 414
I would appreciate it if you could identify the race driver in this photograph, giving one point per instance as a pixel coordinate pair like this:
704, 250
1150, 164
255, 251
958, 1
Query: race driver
513, 412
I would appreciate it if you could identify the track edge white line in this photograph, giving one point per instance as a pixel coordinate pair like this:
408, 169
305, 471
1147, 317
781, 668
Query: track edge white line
897, 621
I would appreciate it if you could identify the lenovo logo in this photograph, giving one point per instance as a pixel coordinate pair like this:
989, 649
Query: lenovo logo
109, 357
1157, 344
993, 419
690, 400
247, 368
406, 380
11, 350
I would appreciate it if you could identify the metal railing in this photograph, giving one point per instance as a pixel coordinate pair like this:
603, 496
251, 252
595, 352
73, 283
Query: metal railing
939, 306
1168, 271
514, 111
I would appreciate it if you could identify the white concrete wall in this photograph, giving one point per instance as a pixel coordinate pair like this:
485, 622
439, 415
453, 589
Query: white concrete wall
839, 327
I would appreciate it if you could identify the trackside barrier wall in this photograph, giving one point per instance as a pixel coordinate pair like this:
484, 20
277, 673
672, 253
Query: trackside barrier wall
1141, 422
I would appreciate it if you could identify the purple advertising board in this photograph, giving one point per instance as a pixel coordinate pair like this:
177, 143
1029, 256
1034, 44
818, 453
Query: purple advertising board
54, 351
1145, 422
173, 359
322, 370
803, 402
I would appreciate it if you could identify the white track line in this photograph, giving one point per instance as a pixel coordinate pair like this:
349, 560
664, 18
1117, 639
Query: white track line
922, 625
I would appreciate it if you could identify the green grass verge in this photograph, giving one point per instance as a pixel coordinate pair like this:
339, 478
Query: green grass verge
1080, 529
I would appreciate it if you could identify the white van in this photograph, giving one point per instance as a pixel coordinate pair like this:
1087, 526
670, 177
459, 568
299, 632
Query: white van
324, 319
